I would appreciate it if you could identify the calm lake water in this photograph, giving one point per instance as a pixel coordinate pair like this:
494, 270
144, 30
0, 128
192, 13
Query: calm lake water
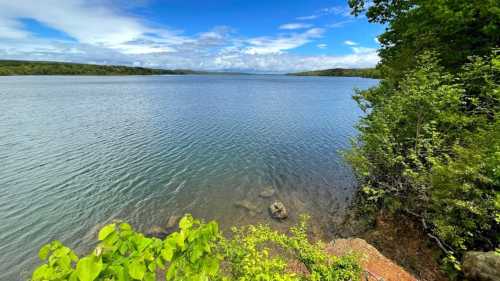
77, 152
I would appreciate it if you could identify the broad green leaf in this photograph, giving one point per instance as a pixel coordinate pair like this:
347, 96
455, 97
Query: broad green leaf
186, 222
89, 268
167, 253
44, 252
119, 272
180, 240
149, 276
136, 269
125, 226
196, 253
40, 273
107, 230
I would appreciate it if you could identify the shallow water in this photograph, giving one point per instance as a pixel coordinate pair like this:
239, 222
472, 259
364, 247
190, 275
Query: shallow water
76, 152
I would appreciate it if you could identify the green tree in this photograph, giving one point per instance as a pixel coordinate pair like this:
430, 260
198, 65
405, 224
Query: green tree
455, 29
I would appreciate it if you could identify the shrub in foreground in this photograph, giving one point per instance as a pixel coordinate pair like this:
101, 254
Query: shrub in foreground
198, 251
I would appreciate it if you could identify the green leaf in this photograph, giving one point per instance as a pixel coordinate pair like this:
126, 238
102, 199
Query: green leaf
152, 267
186, 222
136, 269
196, 253
125, 226
119, 272
40, 273
106, 231
89, 268
44, 252
180, 240
149, 276
167, 253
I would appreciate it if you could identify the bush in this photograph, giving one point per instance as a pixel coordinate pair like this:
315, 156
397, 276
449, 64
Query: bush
197, 251
430, 145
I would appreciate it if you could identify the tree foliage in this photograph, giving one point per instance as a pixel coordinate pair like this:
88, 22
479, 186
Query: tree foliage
430, 141
197, 251
454, 29
342, 72
13, 67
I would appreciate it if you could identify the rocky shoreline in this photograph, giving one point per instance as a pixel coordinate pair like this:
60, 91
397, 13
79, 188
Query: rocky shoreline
390, 247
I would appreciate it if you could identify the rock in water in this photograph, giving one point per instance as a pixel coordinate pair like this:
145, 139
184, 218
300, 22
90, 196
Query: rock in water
482, 266
172, 221
267, 192
278, 210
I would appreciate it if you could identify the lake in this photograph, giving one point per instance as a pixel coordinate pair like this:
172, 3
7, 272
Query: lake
77, 152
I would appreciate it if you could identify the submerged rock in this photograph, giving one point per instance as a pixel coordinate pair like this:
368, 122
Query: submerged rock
278, 210
247, 205
172, 221
157, 232
482, 266
267, 192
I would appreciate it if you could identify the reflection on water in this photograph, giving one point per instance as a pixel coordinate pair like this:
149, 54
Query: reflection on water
76, 152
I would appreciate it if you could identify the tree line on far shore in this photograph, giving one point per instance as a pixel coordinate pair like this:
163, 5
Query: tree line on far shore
19, 67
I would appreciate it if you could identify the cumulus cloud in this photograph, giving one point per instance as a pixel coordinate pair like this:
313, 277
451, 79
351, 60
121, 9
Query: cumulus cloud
267, 45
85, 22
350, 43
293, 26
103, 34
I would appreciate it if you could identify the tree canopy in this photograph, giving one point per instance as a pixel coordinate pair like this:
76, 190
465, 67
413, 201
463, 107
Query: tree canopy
17, 67
429, 144
454, 29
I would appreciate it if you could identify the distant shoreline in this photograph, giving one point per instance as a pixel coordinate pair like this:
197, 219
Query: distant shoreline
342, 72
23, 68
52, 68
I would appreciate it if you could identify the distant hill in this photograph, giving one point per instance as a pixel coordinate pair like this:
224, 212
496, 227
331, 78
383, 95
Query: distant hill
345, 72
20, 67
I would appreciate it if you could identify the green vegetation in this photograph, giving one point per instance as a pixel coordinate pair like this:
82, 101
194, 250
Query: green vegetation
197, 251
16, 67
429, 145
344, 72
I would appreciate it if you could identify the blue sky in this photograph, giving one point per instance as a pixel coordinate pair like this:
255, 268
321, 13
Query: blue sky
257, 36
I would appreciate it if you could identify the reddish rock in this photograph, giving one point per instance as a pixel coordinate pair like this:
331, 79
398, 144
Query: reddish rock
374, 264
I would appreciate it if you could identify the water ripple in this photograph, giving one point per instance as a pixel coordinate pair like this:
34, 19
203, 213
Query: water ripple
77, 152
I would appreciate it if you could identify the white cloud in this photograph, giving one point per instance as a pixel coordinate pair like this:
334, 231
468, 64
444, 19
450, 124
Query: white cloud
338, 24
350, 43
85, 22
293, 26
311, 17
343, 11
322, 46
267, 45
12, 29
363, 50
104, 34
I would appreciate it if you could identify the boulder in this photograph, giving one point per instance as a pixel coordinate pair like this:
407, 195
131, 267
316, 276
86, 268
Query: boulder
375, 265
172, 222
278, 210
267, 192
482, 266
